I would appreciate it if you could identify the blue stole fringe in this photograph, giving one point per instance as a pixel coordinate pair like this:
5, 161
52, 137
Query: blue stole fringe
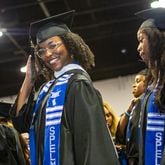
54, 108
154, 135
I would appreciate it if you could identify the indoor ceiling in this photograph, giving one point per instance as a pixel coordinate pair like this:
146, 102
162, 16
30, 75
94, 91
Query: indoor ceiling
108, 27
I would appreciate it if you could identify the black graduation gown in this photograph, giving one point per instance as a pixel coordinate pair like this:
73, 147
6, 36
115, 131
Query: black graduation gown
84, 139
10, 148
132, 146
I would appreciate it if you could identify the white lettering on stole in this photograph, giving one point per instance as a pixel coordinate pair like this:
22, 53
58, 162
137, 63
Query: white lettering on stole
52, 146
158, 152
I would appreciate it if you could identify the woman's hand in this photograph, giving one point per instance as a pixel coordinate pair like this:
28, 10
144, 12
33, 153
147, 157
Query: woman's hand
27, 84
31, 72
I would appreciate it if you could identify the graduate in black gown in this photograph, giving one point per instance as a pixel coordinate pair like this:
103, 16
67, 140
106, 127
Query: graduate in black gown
151, 49
11, 152
127, 129
66, 118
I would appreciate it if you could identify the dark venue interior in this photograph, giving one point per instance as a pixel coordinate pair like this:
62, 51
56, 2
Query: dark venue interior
108, 26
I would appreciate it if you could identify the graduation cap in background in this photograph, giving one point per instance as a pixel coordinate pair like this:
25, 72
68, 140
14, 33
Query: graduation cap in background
51, 26
4, 109
155, 18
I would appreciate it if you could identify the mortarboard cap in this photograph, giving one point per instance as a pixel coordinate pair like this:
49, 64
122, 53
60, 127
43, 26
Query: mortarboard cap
51, 26
4, 109
155, 18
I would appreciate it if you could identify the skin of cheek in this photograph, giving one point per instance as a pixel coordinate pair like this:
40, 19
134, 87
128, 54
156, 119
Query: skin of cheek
63, 59
59, 57
144, 50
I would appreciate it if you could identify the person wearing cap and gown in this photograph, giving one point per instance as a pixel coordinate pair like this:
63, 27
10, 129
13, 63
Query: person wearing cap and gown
66, 119
11, 152
127, 129
151, 48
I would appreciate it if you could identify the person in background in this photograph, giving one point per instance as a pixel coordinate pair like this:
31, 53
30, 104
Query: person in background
25, 135
127, 129
151, 48
24, 138
66, 119
111, 119
11, 151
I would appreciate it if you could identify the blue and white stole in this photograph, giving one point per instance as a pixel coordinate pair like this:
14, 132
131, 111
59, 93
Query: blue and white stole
54, 108
154, 135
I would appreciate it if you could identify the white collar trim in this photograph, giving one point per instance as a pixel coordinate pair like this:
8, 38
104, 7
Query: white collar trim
67, 68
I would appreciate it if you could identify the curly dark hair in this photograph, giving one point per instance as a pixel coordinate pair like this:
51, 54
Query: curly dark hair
79, 49
76, 47
156, 40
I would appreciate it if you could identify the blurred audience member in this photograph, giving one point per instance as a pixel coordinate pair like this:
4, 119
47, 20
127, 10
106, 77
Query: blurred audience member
24, 139
111, 119
11, 152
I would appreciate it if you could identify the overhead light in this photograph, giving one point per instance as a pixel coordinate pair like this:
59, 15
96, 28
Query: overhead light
23, 69
156, 4
2, 30
1, 33
124, 51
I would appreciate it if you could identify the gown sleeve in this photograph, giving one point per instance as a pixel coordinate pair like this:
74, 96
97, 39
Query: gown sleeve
22, 122
92, 143
10, 148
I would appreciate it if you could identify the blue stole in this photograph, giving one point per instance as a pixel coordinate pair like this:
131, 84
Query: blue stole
154, 134
128, 129
54, 108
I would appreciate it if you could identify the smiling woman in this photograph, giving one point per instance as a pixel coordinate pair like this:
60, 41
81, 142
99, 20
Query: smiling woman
52, 46
55, 117
54, 53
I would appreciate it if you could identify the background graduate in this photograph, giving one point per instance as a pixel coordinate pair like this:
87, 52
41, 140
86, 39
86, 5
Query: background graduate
151, 48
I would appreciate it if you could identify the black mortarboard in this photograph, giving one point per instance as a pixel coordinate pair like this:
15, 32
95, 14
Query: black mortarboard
51, 26
4, 109
155, 18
